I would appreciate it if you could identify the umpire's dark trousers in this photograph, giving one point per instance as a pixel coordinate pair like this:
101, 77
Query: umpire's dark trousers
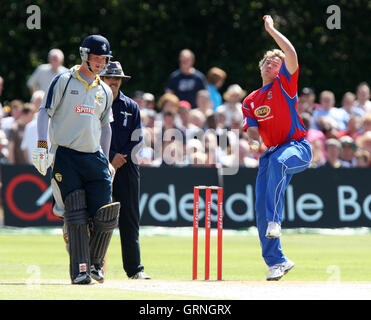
126, 186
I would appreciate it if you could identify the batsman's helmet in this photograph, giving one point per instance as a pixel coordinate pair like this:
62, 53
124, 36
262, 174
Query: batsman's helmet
95, 44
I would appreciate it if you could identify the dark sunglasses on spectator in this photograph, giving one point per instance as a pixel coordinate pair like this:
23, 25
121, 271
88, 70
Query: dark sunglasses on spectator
169, 114
111, 78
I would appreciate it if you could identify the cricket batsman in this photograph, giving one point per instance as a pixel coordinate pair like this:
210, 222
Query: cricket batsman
78, 106
272, 110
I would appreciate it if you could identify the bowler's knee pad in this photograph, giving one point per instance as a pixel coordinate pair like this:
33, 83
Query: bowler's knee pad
76, 220
104, 222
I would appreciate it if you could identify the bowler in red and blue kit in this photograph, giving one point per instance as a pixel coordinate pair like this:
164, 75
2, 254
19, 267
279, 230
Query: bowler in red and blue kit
272, 109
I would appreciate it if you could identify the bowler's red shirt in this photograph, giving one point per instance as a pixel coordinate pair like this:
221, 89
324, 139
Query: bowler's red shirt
274, 110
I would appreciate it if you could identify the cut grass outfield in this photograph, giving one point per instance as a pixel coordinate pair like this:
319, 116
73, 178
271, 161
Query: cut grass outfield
28, 260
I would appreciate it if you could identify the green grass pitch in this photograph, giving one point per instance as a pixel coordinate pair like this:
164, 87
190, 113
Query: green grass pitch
36, 266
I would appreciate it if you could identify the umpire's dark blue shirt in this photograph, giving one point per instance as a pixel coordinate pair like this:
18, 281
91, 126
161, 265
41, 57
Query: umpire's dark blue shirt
126, 119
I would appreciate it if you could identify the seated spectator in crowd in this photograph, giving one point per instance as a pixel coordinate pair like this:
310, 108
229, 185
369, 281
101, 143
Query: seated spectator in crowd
364, 141
184, 111
318, 153
232, 105
44, 74
195, 151
363, 97
245, 159
329, 127
307, 101
30, 137
354, 127
211, 148
347, 155
148, 101
215, 78
138, 98
198, 119
363, 158
186, 81
312, 134
148, 118
16, 154
366, 122
348, 105
211, 121
145, 157
220, 120
333, 149
168, 102
170, 131
173, 154
203, 102
4, 154
327, 101
16, 107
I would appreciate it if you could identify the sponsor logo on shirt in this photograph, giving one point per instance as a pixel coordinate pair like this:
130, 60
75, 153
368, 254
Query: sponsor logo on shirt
98, 98
269, 95
262, 111
58, 177
84, 110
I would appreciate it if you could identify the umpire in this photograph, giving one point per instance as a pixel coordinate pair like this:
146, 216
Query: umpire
126, 119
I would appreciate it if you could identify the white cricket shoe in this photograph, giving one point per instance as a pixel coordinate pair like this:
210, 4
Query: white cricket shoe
273, 230
277, 271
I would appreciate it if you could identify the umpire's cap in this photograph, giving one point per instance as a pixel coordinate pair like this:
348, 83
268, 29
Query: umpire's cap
96, 44
114, 69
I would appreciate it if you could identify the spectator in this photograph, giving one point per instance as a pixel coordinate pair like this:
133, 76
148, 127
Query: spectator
197, 118
312, 134
30, 137
203, 102
348, 149
363, 158
318, 153
168, 102
364, 141
16, 154
44, 74
148, 118
215, 78
16, 107
307, 101
173, 154
333, 149
363, 97
366, 122
185, 120
4, 154
329, 127
170, 131
354, 126
245, 160
186, 81
348, 105
148, 101
183, 110
212, 149
327, 101
232, 105
211, 121
138, 98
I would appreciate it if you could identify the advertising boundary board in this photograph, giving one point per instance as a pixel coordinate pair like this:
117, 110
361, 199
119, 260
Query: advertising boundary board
316, 198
